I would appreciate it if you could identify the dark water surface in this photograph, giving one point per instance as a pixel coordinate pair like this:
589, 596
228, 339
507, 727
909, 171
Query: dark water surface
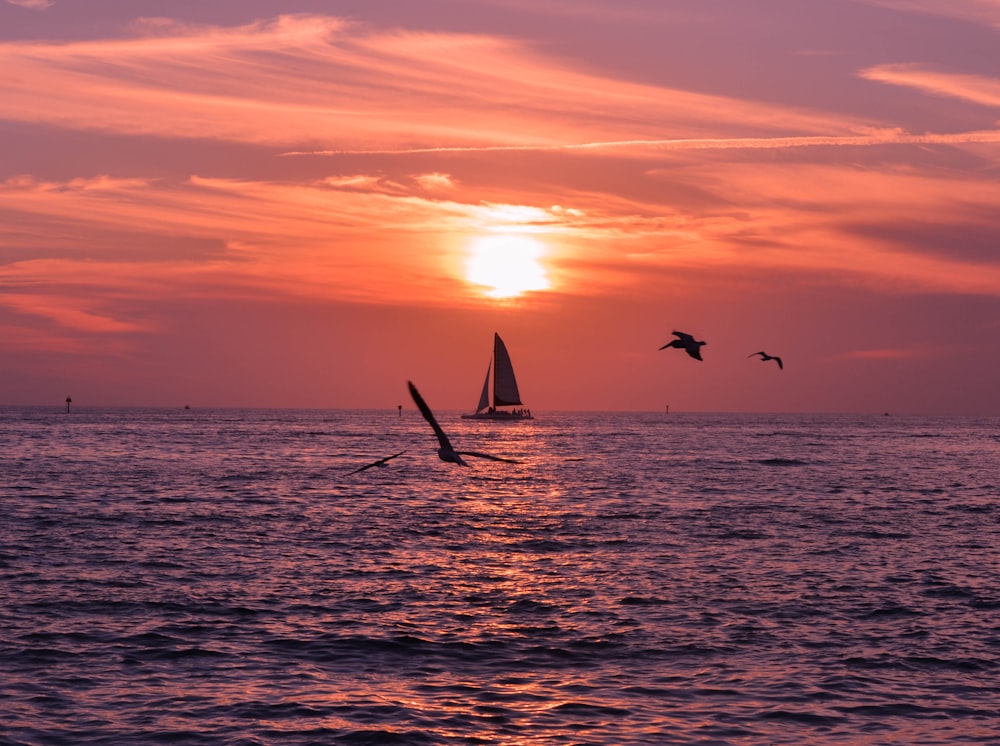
216, 576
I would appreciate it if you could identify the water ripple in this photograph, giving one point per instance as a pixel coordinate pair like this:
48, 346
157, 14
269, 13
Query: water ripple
212, 578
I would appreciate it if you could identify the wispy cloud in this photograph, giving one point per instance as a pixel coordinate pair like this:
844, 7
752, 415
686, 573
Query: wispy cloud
69, 312
978, 11
890, 353
319, 80
975, 88
343, 239
876, 137
338, 88
33, 4
357, 237
707, 195
430, 182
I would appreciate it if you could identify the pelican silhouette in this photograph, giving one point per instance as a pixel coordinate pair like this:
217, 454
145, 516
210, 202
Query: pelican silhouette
446, 452
764, 357
380, 462
686, 342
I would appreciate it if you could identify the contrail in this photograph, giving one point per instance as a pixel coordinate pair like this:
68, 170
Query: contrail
708, 143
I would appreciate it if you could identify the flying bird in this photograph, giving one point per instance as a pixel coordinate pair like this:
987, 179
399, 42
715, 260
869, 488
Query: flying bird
686, 342
380, 462
764, 357
446, 452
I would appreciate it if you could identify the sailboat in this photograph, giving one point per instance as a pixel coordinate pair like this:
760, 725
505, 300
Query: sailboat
505, 393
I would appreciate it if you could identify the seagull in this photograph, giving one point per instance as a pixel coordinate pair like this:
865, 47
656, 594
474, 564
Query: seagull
446, 452
686, 342
381, 462
764, 357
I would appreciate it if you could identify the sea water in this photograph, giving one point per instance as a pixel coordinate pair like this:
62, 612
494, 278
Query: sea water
221, 577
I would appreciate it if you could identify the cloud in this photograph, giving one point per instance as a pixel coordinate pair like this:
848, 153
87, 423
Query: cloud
975, 88
431, 182
890, 353
835, 221
687, 183
435, 181
71, 313
978, 11
356, 237
33, 4
133, 240
320, 85
874, 137
310, 80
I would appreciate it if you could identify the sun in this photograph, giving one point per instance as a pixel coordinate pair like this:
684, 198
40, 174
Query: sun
508, 264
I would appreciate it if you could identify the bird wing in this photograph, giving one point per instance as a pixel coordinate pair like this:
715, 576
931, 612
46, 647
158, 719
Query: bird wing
429, 416
684, 336
694, 352
780, 364
486, 455
376, 463
756, 353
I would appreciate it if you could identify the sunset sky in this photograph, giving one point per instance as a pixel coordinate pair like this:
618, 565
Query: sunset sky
306, 203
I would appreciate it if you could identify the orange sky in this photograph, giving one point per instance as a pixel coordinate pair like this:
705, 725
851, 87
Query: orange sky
262, 204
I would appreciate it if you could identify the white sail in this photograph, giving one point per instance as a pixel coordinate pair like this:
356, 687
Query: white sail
484, 398
505, 392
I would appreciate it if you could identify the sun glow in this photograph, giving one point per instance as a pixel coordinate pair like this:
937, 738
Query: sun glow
507, 264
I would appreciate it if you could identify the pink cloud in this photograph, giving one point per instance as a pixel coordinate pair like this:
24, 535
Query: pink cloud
351, 238
889, 353
312, 79
978, 11
975, 88
33, 4
885, 137
70, 313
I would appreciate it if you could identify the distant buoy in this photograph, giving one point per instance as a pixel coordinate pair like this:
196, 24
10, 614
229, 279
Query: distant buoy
69, 401
400, 406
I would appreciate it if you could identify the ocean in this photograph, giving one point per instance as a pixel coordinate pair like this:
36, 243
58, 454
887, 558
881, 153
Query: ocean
172, 576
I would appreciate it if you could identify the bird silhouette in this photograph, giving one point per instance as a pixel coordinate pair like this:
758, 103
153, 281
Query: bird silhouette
686, 342
446, 452
380, 462
764, 357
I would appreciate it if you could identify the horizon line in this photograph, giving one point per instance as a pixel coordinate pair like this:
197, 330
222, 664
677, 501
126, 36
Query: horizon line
61, 407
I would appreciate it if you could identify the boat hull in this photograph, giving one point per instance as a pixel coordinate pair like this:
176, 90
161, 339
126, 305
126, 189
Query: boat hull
501, 416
